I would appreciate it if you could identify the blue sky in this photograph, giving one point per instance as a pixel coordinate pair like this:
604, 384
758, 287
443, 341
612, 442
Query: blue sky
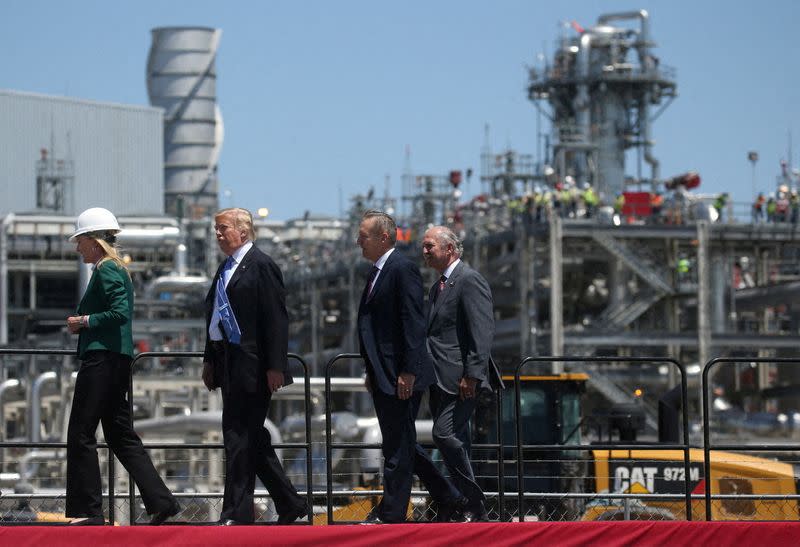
322, 95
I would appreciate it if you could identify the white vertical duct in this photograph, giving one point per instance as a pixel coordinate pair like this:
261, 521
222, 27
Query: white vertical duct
181, 79
7, 220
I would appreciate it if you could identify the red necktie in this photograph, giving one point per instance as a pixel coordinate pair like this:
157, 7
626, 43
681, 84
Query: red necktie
442, 283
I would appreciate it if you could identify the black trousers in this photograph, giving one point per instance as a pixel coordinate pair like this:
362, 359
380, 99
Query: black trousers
101, 391
249, 453
403, 457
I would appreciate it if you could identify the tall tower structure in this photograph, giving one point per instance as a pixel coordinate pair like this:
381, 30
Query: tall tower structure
182, 79
601, 88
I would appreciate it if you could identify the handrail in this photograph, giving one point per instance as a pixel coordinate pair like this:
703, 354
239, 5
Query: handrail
599, 360
111, 495
306, 445
708, 446
329, 445
521, 494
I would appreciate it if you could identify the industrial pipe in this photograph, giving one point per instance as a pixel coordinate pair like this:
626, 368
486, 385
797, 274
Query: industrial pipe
35, 408
582, 97
7, 220
644, 61
5, 386
642, 15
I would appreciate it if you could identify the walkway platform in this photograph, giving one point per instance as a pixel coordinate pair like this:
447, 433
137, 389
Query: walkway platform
489, 534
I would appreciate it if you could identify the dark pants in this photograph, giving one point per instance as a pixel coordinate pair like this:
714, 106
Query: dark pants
249, 453
451, 416
101, 396
403, 456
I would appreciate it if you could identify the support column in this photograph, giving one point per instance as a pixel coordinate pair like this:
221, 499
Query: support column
32, 287
527, 308
556, 292
718, 289
7, 220
703, 290
315, 322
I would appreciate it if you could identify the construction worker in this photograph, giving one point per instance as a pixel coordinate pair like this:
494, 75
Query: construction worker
543, 213
656, 204
574, 197
590, 199
567, 205
719, 204
555, 202
683, 266
619, 203
758, 208
782, 207
772, 208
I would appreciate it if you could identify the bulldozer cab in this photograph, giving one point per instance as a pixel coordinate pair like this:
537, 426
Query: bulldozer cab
550, 414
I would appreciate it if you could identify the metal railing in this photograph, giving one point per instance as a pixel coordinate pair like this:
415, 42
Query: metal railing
111, 495
520, 447
710, 487
330, 445
709, 445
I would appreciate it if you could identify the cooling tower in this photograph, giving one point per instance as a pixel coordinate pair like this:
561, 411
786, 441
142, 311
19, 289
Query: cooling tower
181, 79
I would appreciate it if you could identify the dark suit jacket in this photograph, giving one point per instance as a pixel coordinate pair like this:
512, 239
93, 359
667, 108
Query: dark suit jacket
461, 329
108, 301
391, 327
258, 300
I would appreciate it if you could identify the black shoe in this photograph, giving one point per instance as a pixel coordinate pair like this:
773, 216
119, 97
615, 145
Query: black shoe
374, 519
292, 515
231, 522
451, 511
88, 521
471, 515
161, 516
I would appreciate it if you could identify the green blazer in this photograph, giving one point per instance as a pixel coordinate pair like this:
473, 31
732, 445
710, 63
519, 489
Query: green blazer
108, 301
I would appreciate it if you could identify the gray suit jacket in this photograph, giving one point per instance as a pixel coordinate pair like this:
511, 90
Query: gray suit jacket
461, 329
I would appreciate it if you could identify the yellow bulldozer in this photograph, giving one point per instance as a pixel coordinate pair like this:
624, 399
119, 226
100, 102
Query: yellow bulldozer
605, 484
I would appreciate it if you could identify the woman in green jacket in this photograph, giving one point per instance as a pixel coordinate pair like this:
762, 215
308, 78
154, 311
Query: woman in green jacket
105, 348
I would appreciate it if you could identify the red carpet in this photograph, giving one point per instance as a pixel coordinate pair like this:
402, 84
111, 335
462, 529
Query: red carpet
488, 534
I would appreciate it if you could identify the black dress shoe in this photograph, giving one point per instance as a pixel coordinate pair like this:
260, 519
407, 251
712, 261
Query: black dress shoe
89, 521
474, 516
373, 519
231, 522
451, 511
161, 516
292, 515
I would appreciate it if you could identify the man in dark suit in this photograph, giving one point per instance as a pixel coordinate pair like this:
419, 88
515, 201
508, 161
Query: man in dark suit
460, 329
245, 355
391, 335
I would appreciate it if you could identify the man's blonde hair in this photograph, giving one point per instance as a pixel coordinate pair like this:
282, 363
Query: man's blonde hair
242, 218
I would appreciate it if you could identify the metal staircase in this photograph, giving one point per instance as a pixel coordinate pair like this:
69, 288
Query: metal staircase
625, 312
643, 266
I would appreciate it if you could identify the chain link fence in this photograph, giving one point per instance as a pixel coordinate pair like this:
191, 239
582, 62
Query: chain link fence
341, 471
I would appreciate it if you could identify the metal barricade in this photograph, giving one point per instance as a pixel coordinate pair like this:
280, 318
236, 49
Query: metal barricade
520, 447
330, 445
219, 446
709, 445
111, 495
55, 445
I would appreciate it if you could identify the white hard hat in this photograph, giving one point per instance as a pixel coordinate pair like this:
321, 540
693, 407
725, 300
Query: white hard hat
95, 219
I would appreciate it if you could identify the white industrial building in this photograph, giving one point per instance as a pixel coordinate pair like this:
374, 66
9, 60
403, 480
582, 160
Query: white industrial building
61, 155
